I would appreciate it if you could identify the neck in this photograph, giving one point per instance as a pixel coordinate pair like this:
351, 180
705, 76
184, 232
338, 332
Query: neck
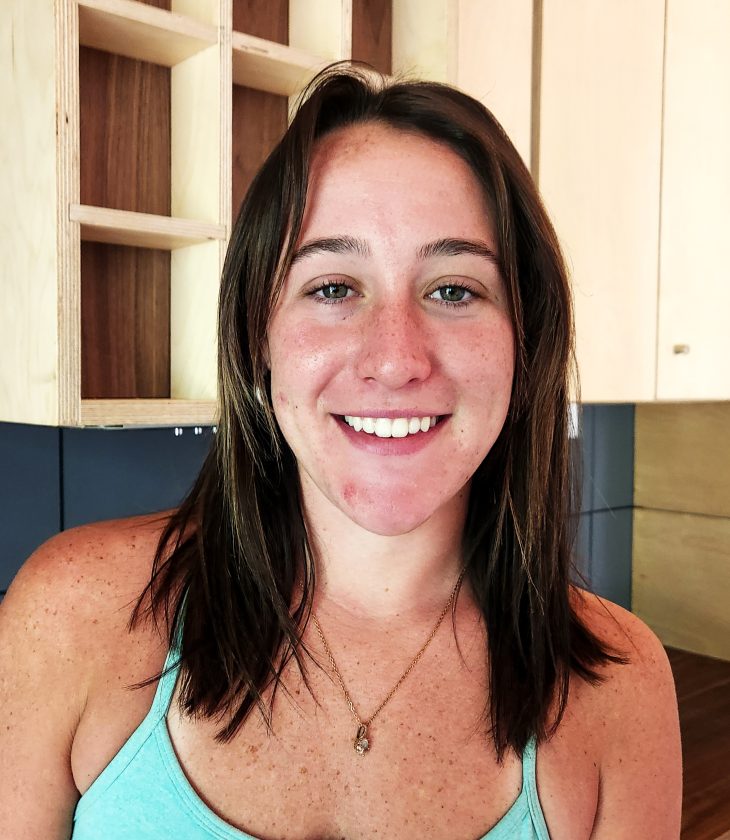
362, 576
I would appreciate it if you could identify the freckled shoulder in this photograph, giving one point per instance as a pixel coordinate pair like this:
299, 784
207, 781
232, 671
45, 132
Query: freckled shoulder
89, 577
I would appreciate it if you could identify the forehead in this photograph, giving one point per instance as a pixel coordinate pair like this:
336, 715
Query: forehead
373, 175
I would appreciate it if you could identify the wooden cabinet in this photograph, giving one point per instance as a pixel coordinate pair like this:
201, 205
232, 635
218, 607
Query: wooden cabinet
485, 47
693, 348
633, 136
137, 127
599, 166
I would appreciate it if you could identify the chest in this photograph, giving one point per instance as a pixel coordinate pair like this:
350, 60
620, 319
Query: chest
431, 770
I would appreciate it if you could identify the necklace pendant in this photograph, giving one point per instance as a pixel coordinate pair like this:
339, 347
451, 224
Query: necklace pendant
362, 745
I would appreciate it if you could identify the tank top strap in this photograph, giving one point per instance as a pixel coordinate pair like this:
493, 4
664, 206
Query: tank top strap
529, 787
170, 671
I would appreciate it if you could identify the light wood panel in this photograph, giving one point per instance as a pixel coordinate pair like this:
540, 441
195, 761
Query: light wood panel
196, 150
68, 243
148, 413
141, 31
271, 67
321, 27
143, 230
681, 579
193, 322
599, 171
495, 62
425, 39
695, 275
682, 458
28, 292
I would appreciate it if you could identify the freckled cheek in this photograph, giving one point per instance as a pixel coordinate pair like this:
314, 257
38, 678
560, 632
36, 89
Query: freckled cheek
302, 361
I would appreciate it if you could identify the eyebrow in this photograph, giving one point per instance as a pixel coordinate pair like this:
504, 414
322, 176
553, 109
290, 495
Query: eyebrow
449, 247
333, 245
455, 247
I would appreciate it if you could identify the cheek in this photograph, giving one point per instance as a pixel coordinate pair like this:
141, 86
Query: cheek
302, 359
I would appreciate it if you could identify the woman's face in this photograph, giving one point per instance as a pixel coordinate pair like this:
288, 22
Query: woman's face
393, 314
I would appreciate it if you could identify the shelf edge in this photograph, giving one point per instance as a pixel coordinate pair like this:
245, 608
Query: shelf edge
146, 33
141, 230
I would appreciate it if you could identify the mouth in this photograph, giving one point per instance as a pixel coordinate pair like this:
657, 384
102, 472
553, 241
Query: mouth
395, 427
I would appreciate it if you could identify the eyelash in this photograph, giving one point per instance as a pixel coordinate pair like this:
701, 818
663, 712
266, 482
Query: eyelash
452, 303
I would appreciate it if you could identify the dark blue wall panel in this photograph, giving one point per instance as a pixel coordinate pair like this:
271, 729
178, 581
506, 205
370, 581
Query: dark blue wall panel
30, 503
110, 473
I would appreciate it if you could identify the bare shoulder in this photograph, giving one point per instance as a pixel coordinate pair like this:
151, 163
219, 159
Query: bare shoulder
82, 580
641, 757
63, 617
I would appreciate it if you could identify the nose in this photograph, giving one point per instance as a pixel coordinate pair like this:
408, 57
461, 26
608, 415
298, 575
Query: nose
394, 347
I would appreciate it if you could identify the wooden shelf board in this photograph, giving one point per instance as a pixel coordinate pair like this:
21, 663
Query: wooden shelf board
141, 230
275, 68
137, 30
148, 412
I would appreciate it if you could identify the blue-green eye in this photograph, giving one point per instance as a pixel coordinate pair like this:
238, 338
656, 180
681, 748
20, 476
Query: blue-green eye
453, 294
331, 292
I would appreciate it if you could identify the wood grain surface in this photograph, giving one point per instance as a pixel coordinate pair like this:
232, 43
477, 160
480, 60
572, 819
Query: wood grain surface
125, 322
703, 696
264, 18
125, 133
372, 33
259, 120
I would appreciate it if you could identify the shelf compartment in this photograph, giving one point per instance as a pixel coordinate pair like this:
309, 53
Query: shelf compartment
125, 322
372, 33
125, 133
271, 67
141, 230
138, 413
264, 18
137, 30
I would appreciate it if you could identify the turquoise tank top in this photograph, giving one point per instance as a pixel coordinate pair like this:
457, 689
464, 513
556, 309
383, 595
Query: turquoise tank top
144, 794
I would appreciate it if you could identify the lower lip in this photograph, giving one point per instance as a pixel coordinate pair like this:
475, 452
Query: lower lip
391, 446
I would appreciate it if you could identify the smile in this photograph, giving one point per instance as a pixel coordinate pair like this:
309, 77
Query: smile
385, 427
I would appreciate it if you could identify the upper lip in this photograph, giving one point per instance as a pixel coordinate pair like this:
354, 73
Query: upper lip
393, 413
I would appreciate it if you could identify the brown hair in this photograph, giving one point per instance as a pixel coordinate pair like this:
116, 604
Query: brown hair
231, 552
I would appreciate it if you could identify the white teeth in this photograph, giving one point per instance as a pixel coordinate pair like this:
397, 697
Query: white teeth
384, 427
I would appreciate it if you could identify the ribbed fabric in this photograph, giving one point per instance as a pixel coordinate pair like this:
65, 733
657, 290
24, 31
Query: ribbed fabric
143, 793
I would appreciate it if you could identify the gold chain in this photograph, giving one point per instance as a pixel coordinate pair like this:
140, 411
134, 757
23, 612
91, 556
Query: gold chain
362, 743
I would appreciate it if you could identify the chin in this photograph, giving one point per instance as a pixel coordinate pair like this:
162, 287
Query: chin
384, 514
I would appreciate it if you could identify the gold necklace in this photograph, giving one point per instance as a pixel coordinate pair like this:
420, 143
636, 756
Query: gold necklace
362, 742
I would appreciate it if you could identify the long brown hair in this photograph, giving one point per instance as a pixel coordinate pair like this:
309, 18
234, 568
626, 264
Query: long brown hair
231, 552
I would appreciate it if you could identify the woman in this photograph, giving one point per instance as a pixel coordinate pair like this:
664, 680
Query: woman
363, 609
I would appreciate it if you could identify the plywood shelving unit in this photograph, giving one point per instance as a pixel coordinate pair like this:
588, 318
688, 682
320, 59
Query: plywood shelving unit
139, 127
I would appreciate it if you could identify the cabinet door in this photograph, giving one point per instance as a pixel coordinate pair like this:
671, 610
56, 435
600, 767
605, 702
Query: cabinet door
694, 301
599, 172
483, 47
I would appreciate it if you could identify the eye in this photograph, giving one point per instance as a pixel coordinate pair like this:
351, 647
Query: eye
454, 294
330, 292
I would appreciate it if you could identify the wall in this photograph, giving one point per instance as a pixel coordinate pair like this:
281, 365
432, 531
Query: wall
52, 479
681, 573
